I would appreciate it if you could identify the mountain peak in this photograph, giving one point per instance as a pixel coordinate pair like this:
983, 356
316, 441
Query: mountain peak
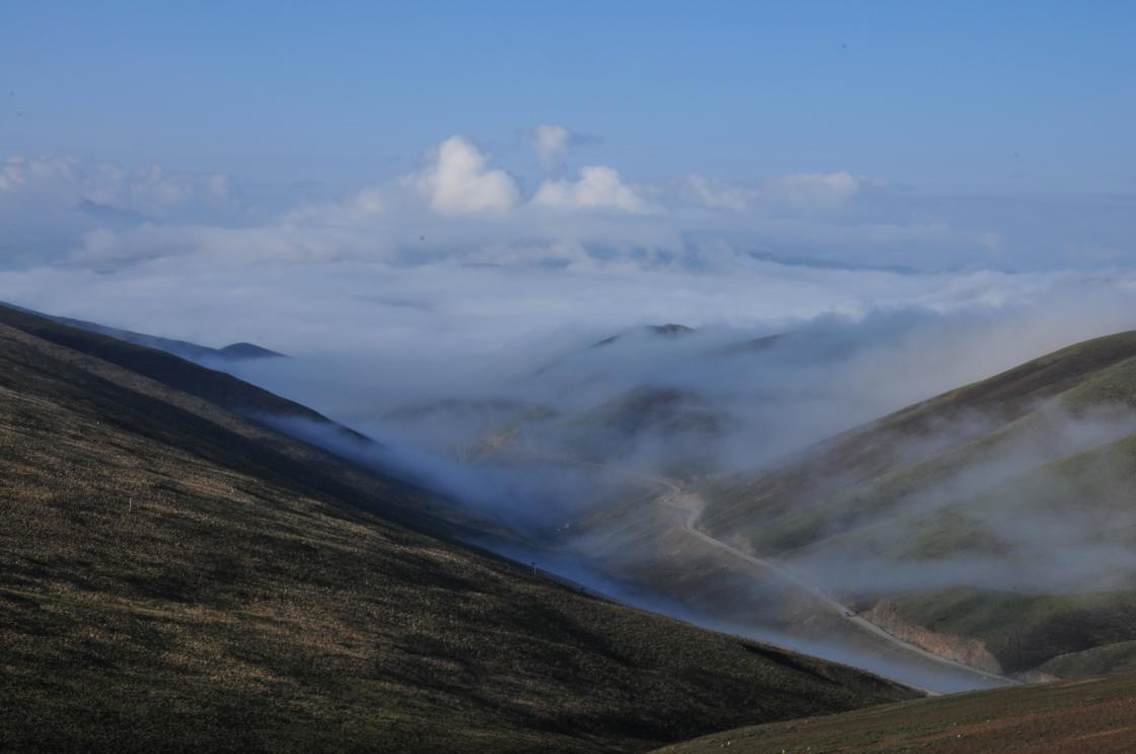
245, 350
669, 330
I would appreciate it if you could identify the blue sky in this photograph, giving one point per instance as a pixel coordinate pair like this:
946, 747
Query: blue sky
498, 171
1006, 97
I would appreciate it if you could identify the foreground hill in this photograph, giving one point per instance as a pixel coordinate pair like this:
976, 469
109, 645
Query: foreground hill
1068, 717
992, 524
174, 576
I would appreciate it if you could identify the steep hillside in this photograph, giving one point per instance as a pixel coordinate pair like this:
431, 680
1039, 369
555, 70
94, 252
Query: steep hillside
919, 432
1060, 718
174, 576
219, 388
993, 521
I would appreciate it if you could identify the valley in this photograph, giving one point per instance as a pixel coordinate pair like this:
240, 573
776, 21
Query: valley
567, 378
740, 550
668, 541
177, 575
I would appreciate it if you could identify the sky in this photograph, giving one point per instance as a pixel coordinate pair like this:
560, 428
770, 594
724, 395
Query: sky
1031, 97
495, 170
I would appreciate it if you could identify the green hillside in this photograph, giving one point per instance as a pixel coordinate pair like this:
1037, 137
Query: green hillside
999, 512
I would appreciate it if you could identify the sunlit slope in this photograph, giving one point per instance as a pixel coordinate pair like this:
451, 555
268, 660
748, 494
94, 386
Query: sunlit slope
1068, 717
175, 577
993, 523
884, 446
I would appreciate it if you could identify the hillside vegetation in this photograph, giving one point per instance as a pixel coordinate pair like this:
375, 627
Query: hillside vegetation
175, 576
1069, 717
997, 513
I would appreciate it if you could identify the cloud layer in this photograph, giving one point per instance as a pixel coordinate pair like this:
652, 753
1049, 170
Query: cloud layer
461, 246
461, 204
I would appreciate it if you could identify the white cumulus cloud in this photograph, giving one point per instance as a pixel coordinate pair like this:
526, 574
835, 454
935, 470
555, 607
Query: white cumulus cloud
457, 181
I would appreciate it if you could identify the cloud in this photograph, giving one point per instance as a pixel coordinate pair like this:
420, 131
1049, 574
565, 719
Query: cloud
457, 182
550, 142
599, 187
813, 189
460, 208
719, 195
802, 191
152, 192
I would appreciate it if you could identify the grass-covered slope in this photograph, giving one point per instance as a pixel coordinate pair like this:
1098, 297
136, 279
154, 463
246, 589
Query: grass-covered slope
1069, 717
219, 388
175, 577
999, 512
919, 433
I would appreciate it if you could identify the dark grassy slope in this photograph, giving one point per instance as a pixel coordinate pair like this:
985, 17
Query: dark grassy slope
173, 577
218, 388
951, 480
1071, 717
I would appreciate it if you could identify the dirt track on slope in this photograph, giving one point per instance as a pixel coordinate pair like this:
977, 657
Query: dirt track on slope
673, 498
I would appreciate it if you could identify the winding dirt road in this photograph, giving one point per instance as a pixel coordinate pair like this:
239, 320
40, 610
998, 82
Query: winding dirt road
674, 497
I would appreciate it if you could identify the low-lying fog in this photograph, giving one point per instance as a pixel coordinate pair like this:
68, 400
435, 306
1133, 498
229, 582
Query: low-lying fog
489, 419
529, 360
535, 431
538, 421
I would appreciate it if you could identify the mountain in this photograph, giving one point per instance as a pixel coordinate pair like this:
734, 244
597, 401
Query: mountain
669, 330
1056, 718
242, 351
182, 348
177, 574
986, 527
585, 364
991, 524
217, 387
